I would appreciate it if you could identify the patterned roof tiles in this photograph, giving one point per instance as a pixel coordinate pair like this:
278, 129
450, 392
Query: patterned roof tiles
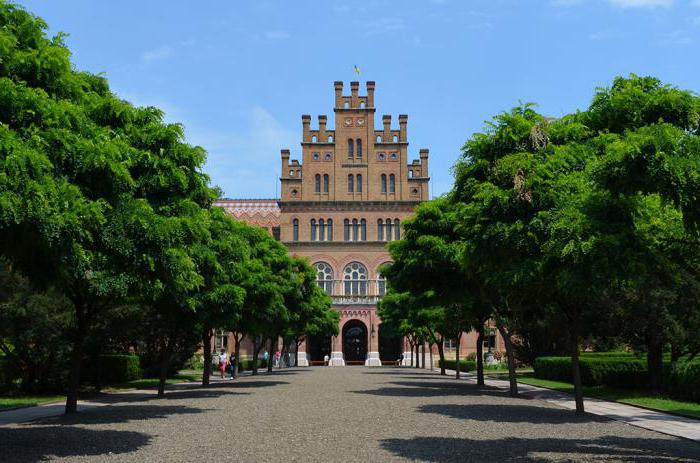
260, 212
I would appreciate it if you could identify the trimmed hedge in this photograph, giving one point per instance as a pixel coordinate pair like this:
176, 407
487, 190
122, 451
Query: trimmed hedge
118, 368
247, 364
5, 375
464, 365
683, 381
595, 371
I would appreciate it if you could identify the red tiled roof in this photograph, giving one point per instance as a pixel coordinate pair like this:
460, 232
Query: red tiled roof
260, 212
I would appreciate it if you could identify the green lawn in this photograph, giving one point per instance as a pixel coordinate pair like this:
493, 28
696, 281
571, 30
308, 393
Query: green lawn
28, 400
639, 398
153, 382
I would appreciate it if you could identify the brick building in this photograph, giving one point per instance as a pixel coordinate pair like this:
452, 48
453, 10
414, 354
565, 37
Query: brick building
339, 206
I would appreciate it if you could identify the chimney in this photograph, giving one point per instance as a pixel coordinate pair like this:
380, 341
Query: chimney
322, 127
354, 89
424, 161
370, 94
285, 162
403, 120
338, 84
386, 120
305, 122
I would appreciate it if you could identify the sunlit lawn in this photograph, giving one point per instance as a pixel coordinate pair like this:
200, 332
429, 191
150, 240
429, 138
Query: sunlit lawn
28, 400
632, 397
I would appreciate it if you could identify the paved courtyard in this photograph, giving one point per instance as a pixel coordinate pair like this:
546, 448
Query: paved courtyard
337, 414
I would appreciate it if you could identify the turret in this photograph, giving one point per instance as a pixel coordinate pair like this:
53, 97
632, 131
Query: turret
285, 162
370, 94
403, 121
306, 122
354, 90
424, 161
322, 119
338, 84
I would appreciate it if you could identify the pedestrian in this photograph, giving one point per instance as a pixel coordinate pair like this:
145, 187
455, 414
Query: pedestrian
266, 358
325, 360
399, 362
278, 357
222, 363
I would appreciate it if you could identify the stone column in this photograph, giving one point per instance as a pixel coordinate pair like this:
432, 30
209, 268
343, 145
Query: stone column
373, 359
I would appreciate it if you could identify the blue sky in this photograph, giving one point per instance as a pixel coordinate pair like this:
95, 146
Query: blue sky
239, 75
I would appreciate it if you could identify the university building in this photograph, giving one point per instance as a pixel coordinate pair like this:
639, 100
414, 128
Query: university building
339, 206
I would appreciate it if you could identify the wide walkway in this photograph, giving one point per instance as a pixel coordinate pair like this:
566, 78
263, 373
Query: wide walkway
337, 414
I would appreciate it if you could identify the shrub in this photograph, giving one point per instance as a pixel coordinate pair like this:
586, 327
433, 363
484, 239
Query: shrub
595, 371
196, 362
684, 381
117, 368
247, 364
464, 365
5, 375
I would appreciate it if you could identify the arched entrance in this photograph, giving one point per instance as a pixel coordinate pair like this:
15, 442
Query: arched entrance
354, 342
389, 344
319, 347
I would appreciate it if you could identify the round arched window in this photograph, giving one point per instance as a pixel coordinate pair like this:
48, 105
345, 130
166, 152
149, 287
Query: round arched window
324, 276
355, 279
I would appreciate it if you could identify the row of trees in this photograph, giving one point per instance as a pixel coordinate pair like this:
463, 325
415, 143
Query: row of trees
106, 219
565, 230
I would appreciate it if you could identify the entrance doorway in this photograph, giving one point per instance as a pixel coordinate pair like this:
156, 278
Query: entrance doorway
389, 344
354, 342
319, 347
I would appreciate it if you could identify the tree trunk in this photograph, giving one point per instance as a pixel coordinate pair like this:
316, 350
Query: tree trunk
296, 353
417, 355
655, 357
75, 365
480, 355
269, 358
441, 353
206, 345
576, 372
430, 353
457, 375
256, 351
511, 360
237, 350
422, 347
164, 364
410, 347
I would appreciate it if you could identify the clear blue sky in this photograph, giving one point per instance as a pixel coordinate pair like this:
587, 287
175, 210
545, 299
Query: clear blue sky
239, 74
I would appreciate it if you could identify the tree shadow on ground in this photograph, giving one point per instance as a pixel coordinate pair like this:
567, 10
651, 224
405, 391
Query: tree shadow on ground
510, 413
605, 448
122, 414
419, 388
39, 443
253, 384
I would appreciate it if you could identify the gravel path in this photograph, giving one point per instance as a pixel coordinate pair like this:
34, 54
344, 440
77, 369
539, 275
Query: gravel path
337, 414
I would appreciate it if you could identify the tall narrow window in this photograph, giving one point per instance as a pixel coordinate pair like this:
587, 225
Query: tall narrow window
355, 229
359, 183
313, 229
380, 230
388, 229
295, 230
326, 181
350, 148
383, 183
397, 229
329, 227
321, 230
381, 285
358, 144
317, 183
346, 230
392, 183
363, 230
351, 183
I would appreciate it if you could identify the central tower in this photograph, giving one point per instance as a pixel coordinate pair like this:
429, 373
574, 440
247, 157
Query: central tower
339, 207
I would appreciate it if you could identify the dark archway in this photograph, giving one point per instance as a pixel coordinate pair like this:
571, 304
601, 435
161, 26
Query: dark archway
319, 347
389, 344
354, 342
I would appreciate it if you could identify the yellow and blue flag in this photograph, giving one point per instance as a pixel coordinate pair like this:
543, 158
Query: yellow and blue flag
357, 70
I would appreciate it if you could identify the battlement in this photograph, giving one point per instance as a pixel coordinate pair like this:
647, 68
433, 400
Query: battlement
354, 101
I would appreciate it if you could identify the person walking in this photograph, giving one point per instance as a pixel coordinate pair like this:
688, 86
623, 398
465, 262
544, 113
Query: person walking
266, 357
223, 361
325, 360
232, 365
278, 358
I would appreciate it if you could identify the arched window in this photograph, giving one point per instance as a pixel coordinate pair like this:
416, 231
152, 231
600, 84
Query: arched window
397, 229
326, 181
329, 227
351, 183
396, 138
313, 229
314, 139
330, 138
388, 229
363, 230
324, 276
359, 183
410, 174
355, 229
346, 230
362, 105
321, 230
317, 183
355, 279
380, 230
351, 148
346, 105
358, 144
379, 138
383, 183
295, 230
381, 285
392, 183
